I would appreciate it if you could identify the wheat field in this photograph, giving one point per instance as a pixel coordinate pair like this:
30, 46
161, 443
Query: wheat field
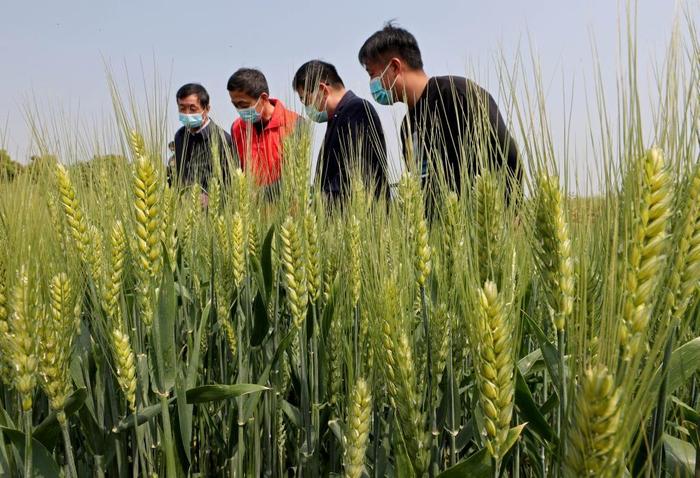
144, 334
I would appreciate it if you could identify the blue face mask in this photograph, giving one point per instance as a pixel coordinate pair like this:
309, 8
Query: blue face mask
380, 94
191, 121
319, 116
316, 115
250, 115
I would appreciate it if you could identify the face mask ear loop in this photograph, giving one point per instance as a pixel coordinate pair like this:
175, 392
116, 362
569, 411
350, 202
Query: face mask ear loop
384, 73
325, 103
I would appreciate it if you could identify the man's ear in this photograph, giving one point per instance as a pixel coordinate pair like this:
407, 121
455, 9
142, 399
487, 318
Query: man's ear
396, 65
264, 97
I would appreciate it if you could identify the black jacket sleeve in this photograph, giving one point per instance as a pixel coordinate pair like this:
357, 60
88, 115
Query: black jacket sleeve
502, 149
366, 129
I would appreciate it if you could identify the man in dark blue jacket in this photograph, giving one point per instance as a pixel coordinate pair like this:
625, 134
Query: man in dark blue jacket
194, 159
354, 137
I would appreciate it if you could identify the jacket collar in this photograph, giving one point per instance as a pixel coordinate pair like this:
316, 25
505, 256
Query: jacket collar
347, 98
203, 131
278, 114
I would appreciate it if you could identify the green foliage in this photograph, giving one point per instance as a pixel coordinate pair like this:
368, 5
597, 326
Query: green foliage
9, 169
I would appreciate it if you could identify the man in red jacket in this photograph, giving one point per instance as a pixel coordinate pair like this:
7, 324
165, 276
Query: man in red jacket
263, 124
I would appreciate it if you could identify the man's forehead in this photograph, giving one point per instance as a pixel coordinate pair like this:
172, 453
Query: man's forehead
311, 88
188, 99
241, 96
372, 66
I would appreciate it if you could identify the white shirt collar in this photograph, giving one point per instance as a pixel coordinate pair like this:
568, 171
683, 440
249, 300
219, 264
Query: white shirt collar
206, 123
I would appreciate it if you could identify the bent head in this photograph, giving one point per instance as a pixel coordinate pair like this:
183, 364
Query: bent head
318, 84
388, 56
250, 95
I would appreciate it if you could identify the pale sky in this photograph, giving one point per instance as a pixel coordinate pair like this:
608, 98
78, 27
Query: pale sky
54, 53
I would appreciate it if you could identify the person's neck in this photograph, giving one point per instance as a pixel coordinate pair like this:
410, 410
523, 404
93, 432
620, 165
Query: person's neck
415, 84
267, 111
334, 99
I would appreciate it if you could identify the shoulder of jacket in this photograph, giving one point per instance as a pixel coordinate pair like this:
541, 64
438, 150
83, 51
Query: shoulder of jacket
221, 131
451, 83
362, 105
290, 114
237, 125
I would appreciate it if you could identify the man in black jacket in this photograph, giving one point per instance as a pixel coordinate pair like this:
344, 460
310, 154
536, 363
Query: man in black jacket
451, 121
354, 136
194, 160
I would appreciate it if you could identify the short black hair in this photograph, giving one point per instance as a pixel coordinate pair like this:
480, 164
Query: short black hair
194, 89
316, 71
248, 80
391, 40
